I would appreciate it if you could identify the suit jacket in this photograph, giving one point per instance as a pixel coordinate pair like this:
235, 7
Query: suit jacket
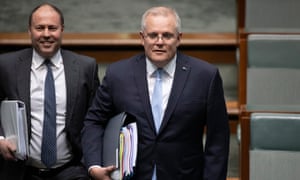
196, 101
81, 73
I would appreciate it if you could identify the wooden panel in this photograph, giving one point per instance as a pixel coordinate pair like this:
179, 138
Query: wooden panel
109, 47
242, 70
241, 15
245, 142
219, 54
117, 39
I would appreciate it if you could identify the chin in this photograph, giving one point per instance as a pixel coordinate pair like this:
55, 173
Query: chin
159, 57
162, 59
48, 51
47, 54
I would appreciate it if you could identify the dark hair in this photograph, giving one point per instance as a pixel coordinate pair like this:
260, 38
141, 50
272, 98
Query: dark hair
53, 7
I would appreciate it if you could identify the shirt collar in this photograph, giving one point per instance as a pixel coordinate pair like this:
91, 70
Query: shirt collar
37, 60
168, 68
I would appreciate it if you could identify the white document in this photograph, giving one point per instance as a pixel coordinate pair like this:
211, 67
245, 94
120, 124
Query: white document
14, 124
128, 149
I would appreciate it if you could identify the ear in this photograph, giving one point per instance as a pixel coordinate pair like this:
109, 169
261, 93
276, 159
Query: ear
179, 36
29, 31
142, 38
179, 39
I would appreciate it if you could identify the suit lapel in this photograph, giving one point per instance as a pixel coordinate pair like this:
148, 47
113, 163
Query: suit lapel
23, 70
180, 77
72, 76
140, 76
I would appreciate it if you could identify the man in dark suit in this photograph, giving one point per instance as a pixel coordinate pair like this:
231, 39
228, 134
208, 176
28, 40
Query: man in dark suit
22, 76
192, 101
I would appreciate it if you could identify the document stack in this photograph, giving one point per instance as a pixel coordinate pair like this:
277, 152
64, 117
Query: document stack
128, 150
120, 146
14, 124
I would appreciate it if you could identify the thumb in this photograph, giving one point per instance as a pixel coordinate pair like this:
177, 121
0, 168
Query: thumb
110, 168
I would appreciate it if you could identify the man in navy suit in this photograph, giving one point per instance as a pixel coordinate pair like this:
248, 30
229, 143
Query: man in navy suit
22, 77
192, 100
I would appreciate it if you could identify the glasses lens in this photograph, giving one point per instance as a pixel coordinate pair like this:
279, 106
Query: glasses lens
156, 36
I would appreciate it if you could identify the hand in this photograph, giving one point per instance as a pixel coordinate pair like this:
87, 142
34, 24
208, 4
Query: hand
101, 173
7, 149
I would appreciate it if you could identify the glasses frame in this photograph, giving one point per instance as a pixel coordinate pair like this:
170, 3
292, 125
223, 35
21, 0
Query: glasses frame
167, 36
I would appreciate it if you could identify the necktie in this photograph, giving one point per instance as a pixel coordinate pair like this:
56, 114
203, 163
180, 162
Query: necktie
157, 99
48, 154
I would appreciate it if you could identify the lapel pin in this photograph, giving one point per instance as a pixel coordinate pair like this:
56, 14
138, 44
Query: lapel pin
184, 68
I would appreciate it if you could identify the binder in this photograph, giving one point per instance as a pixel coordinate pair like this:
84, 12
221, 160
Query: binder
14, 124
120, 145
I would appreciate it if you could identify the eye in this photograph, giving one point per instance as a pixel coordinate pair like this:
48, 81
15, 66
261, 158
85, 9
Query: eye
39, 28
167, 36
52, 28
152, 35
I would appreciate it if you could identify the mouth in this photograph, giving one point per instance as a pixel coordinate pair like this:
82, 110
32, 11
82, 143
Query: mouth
159, 51
46, 43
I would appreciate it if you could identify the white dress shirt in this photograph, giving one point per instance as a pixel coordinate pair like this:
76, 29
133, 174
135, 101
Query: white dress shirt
38, 75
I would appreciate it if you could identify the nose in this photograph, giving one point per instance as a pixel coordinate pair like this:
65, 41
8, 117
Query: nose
160, 39
46, 32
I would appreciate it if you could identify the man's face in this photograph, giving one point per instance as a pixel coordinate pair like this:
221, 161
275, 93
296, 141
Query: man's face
160, 39
46, 31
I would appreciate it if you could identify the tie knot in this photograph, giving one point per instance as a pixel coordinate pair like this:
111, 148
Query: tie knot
158, 73
47, 62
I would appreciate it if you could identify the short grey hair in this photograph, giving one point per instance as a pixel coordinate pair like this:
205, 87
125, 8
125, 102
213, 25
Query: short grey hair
164, 11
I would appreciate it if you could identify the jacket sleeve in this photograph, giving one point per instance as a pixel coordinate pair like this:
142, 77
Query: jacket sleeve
217, 134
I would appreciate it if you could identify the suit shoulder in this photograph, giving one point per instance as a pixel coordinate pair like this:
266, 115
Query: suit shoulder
198, 63
16, 54
124, 67
125, 63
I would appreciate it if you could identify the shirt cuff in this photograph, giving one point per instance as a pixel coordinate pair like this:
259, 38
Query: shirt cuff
93, 166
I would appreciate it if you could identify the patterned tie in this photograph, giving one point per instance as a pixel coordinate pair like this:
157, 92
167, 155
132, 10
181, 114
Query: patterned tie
157, 99
48, 154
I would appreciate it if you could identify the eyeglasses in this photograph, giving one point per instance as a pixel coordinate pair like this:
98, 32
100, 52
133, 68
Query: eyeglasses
155, 36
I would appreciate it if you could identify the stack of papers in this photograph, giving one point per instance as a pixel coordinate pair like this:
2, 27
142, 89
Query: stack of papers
128, 150
14, 124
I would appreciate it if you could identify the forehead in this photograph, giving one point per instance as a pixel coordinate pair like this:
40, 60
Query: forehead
160, 23
45, 14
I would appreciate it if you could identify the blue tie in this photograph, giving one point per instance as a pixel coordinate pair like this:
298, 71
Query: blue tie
156, 105
48, 154
157, 99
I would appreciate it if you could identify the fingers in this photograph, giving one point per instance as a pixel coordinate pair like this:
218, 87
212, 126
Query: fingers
102, 173
110, 168
7, 150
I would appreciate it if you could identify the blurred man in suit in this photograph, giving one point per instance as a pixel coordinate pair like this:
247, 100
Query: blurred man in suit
22, 76
170, 147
